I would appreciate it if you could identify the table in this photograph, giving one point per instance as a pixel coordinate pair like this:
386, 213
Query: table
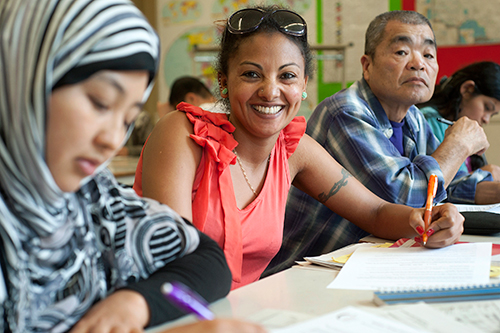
297, 289
123, 168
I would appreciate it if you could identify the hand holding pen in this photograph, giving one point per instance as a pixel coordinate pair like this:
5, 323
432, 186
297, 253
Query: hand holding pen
186, 300
469, 133
190, 302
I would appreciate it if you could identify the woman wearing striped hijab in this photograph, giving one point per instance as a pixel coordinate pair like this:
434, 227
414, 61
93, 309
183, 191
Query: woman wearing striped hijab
74, 243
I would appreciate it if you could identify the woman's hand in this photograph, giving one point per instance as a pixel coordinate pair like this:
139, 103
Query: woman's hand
218, 326
123, 311
126, 311
447, 224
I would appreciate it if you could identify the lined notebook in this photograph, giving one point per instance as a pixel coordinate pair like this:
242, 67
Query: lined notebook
458, 294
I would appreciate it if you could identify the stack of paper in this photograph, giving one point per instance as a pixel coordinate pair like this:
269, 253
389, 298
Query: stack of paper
338, 258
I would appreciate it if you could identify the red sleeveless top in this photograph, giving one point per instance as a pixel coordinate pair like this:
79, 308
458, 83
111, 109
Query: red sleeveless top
252, 236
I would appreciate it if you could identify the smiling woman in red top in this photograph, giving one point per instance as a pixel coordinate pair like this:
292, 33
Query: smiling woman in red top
231, 175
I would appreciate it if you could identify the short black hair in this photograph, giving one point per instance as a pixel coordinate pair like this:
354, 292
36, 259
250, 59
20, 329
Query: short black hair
376, 29
184, 85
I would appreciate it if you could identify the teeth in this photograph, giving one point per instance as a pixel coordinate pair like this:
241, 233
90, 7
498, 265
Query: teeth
268, 110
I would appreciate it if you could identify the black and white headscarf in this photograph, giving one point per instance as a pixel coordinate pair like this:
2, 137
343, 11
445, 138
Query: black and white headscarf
61, 252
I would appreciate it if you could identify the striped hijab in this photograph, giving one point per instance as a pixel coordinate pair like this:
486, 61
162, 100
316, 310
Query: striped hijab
54, 267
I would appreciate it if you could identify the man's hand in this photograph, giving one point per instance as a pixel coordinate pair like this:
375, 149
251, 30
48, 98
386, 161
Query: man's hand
469, 135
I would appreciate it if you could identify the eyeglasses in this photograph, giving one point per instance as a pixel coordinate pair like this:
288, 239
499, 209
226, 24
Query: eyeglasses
249, 19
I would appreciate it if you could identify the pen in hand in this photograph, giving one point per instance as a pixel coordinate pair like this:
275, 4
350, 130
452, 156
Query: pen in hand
431, 194
186, 300
445, 121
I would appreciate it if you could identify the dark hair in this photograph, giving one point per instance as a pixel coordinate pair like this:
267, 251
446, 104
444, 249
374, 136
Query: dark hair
375, 32
230, 42
447, 97
184, 85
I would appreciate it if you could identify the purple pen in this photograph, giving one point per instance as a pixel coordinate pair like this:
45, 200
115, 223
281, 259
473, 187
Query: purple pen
186, 300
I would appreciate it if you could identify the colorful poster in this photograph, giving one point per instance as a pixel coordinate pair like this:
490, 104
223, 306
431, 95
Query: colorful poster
180, 11
462, 22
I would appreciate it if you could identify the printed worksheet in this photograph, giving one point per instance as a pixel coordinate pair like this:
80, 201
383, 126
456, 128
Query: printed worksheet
348, 320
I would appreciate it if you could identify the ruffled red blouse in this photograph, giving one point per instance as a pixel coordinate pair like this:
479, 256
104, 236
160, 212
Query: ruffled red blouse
252, 236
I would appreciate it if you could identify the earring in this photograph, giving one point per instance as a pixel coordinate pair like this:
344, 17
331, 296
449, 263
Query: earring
224, 91
304, 95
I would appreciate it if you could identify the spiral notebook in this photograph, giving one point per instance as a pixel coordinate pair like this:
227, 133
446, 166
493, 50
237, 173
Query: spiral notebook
439, 295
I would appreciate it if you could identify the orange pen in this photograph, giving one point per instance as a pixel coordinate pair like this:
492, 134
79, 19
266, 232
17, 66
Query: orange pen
431, 193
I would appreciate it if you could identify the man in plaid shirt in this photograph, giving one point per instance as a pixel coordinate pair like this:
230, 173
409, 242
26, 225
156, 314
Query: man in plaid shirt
374, 130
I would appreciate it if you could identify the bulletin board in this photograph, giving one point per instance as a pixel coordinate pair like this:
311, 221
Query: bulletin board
466, 31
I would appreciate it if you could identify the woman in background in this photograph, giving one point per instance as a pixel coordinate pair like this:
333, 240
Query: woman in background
77, 250
474, 92
230, 174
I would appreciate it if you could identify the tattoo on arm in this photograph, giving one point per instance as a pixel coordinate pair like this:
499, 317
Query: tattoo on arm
323, 197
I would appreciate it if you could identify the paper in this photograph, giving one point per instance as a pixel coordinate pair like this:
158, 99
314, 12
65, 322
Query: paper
494, 208
275, 318
310, 266
435, 321
484, 315
338, 258
349, 320
415, 267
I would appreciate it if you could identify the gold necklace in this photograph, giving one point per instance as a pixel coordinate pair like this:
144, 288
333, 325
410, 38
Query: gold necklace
245, 174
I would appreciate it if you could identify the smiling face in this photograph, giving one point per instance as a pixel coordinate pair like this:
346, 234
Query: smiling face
265, 81
87, 123
404, 68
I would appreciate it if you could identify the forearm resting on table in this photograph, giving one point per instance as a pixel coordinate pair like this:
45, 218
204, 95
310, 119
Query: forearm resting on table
493, 169
487, 193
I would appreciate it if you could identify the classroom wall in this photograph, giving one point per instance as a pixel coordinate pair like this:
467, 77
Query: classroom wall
493, 133
466, 31
148, 8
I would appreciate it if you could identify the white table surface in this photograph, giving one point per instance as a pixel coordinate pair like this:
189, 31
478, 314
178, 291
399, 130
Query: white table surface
298, 289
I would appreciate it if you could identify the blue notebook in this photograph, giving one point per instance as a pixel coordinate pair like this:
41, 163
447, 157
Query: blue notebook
458, 294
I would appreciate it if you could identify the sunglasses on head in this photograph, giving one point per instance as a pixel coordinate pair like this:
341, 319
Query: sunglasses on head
247, 20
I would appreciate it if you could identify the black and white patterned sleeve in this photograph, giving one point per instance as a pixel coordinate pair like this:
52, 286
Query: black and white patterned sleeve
135, 234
